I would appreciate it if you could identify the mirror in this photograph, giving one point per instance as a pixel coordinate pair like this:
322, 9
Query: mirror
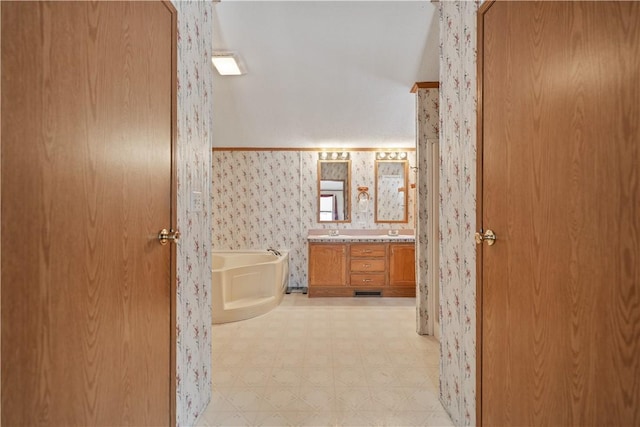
334, 180
391, 191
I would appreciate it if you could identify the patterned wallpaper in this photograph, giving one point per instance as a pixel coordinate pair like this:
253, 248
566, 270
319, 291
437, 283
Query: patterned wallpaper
193, 306
427, 129
264, 199
458, 33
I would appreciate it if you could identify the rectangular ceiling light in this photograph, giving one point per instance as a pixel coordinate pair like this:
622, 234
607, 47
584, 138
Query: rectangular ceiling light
226, 65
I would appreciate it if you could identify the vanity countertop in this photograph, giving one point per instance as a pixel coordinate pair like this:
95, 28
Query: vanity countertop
346, 236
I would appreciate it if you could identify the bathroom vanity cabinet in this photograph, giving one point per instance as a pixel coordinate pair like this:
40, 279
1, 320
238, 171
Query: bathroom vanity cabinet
361, 268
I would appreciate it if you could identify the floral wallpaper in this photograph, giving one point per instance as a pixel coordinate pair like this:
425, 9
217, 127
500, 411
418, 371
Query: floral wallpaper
458, 33
268, 198
427, 129
264, 199
193, 306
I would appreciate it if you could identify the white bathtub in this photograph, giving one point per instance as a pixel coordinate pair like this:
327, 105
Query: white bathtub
246, 284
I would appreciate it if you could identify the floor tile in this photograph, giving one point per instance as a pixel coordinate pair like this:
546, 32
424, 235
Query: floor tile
318, 376
231, 419
245, 399
286, 376
360, 419
317, 399
353, 399
350, 376
251, 376
326, 362
283, 399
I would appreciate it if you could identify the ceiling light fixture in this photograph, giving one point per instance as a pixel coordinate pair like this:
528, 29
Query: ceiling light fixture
226, 64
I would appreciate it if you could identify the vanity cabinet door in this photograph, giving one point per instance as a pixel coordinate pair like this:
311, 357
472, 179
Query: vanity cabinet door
402, 264
327, 264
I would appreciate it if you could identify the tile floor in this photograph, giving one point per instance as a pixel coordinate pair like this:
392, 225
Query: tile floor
326, 362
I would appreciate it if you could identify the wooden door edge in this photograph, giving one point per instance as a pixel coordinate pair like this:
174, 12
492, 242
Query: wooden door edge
174, 214
479, 170
0, 235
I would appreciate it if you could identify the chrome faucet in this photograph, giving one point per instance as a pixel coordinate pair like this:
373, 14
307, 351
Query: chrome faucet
275, 252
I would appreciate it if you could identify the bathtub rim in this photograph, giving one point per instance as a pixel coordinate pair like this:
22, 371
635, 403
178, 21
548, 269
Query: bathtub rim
284, 254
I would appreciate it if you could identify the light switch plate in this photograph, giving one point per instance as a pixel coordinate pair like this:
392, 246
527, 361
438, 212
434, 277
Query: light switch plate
196, 201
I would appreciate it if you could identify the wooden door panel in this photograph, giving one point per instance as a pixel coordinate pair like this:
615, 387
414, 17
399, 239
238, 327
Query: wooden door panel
560, 132
327, 264
402, 265
86, 185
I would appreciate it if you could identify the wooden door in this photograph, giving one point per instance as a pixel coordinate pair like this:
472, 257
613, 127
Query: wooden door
559, 292
87, 127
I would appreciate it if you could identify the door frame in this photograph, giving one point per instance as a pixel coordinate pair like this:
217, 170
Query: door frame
173, 291
433, 225
479, 170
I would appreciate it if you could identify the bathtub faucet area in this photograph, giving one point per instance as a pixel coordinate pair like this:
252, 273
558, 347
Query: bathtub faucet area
275, 252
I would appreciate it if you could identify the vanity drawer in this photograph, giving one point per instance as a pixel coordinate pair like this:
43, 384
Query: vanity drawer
368, 250
377, 265
360, 280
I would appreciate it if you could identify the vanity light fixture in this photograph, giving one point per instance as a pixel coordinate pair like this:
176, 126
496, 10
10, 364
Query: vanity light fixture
333, 155
391, 155
226, 64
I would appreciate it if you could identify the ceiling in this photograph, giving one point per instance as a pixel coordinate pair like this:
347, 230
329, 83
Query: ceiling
330, 74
